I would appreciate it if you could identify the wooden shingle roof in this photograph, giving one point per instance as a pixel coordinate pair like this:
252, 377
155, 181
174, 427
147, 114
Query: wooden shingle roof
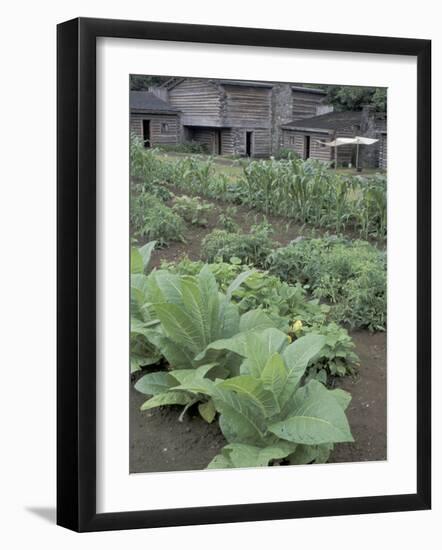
149, 102
329, 121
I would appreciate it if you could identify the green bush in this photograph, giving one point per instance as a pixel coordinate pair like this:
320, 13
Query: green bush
153, 220
337, 357
286, 154
191, 147
351, 275
253, 247
226, 220
193, 210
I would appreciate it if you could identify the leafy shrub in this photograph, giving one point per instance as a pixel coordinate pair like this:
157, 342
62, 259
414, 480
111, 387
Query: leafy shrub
286, 154
152, 219
191, 147
190, 313
252, 247
142, 352
226, 220
266, 413
349, 274
261, 290
146, 166
337, 357
193, 210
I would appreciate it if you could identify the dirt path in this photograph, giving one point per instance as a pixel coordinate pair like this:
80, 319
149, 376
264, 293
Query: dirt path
160, 443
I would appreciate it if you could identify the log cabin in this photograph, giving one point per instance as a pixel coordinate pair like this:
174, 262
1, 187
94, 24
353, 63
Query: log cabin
239, 117
255, 119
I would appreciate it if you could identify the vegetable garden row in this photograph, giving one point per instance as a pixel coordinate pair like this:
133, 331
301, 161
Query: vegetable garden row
253, 334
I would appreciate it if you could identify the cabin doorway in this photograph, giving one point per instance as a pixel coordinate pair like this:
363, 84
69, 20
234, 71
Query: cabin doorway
146, 133
218, 143
249, 144
306, 147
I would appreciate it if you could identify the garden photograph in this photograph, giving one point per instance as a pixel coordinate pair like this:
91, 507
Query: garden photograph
258, 274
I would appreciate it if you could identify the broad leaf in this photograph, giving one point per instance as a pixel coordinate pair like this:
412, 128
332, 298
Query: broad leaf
168, 398
146, 252
274, 376
241, 419
253, 389
342, 397
255, 319
315, 418
238, 455
297, 357
155, 383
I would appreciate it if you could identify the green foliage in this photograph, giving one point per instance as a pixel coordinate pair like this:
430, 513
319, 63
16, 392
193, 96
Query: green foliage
193, 210
252, 247
191, 147
353, 98
142, 352
337, 357
284, 303
226, 220
141, 82
286, 154
267, 414
351, 275
146, 166
305, 191
152, 219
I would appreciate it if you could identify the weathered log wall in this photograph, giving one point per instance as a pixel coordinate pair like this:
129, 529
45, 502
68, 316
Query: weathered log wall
159, 135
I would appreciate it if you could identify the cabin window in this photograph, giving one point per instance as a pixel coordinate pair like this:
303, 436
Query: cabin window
292, 140
164, 127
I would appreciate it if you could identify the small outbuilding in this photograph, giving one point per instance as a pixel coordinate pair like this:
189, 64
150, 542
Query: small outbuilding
154, 120
307, 136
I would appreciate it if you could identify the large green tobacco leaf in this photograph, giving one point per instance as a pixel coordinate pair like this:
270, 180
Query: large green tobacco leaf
315, 418
255, 319
274, 377
238, 455
180, 326
297, 357
256, 346
155, 383
253, 389
140, 257
167, 398
178, 356
193, 380
306, 454
241, 419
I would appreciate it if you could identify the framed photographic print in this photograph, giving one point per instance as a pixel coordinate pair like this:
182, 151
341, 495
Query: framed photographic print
243, 274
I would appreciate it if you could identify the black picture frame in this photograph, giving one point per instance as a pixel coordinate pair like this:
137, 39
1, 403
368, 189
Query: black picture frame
76, 274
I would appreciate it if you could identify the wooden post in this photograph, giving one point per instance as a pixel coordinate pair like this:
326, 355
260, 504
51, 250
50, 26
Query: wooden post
336, 157
357, 157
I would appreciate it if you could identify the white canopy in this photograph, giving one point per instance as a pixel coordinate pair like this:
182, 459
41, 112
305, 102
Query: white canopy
358, 140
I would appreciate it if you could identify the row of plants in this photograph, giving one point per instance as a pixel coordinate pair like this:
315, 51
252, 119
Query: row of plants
236, 363
305, 191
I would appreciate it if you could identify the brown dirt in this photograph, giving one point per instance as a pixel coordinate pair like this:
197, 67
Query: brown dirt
160, 443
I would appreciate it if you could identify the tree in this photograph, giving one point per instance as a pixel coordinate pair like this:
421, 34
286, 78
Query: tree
139, 82
353, 98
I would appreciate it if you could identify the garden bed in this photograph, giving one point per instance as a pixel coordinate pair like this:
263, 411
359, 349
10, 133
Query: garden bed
160, 443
